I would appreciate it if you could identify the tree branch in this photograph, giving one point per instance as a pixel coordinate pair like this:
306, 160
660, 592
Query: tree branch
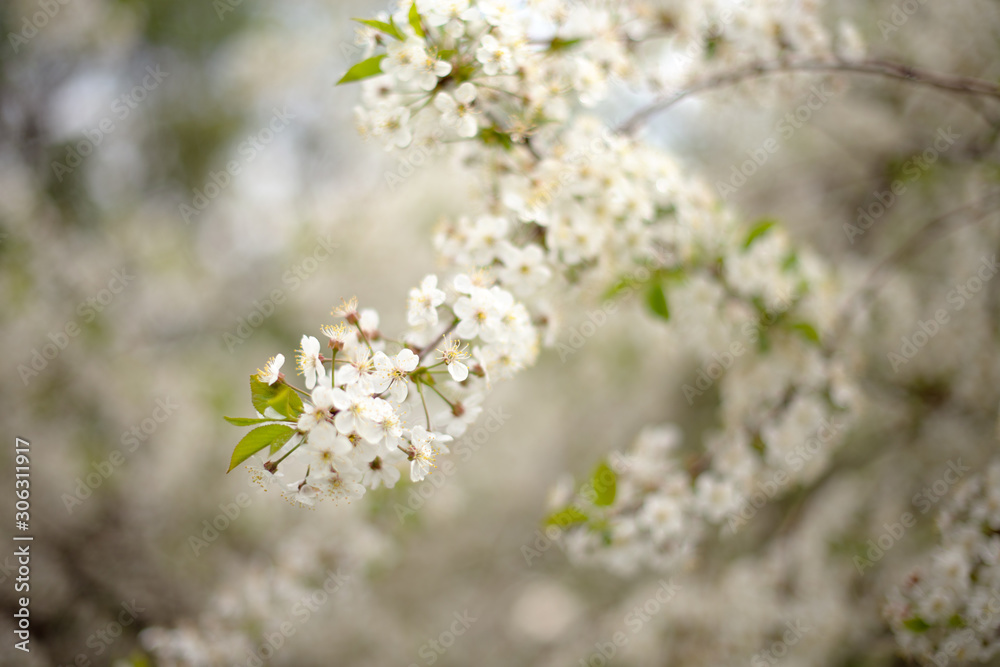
955, 84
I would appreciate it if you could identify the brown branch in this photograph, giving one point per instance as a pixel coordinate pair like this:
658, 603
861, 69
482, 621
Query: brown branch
950, 83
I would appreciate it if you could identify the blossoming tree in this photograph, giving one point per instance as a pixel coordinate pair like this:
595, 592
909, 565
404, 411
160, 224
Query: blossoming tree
573, 211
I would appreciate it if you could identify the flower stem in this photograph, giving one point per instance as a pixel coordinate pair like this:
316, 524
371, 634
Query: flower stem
427, 415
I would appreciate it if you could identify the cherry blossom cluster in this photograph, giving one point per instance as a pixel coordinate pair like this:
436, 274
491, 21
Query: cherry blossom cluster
755, 315
714, 36
596, 205
788, 601
948, 608
498, 71
491, 69
364, 394
566, 204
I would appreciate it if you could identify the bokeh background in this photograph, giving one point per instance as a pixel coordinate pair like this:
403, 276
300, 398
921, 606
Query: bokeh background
118, 301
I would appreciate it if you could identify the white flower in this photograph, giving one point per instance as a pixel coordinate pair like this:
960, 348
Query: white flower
421, 462
272, 370
391, 427
525, 269
310, 361
440, 12
381, 471
326, 444
497, 12
362, 451
715, 497
263, 477
343, 484
423, 303
421, 436
318, 411
459, 112
430, 70
478, 316
404, 59
663, 516
484, 238
391, 124
393, 373
303, 493
425, 446
495, 57
356, 408
465, 284
340, 336
360, 371
452, 355
457, 420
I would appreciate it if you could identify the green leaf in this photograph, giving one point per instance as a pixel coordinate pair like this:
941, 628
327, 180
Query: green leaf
916, 624
243, 421
560, 44
758, 230
281, 397
566, 517
364, 70
388, 28
656, 299
623, 285
415, 21
807, 330
791, 261
711, 47
605, 484
490, 136
274, 435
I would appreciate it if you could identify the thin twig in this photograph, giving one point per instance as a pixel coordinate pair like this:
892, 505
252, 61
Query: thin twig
955, 84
